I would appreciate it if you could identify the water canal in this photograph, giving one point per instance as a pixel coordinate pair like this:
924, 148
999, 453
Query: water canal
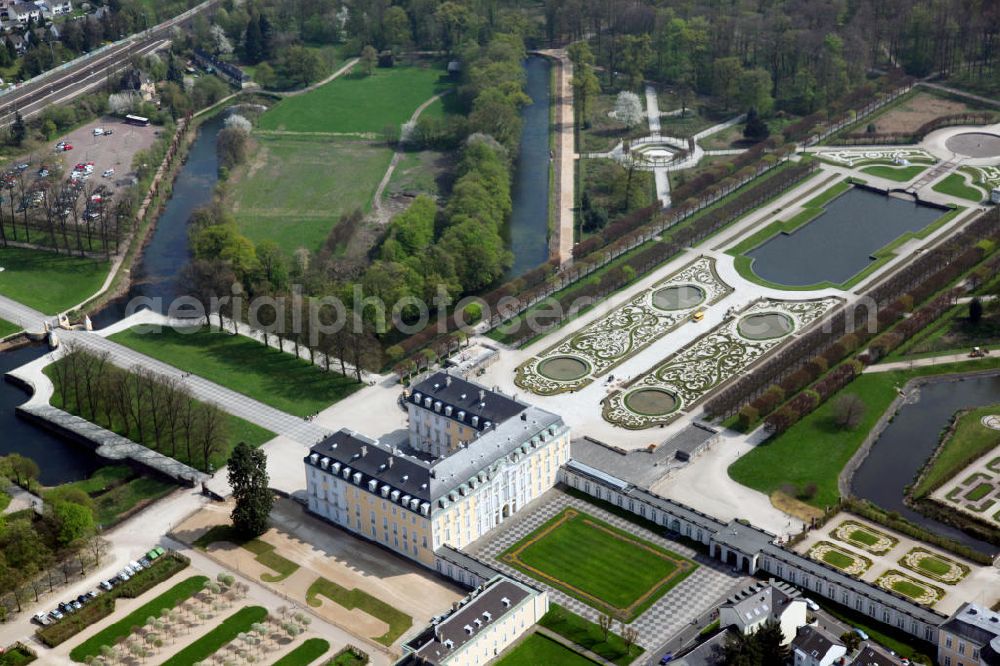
910, 439
841, 241
528, 229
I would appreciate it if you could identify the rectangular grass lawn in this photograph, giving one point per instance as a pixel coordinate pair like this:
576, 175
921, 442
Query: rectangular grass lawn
297, 187
228, 629
246, 366
599, 564
49, 282
838, 560
537, 649
356, 103
123, 627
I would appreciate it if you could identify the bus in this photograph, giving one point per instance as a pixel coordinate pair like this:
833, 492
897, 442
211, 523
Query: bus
137, 120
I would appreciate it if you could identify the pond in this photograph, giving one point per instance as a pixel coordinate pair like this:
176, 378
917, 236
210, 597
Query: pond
63, 460
840, 242
906, 444
528, 229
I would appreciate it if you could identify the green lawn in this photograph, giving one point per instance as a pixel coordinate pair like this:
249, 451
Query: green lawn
815, 449
865, 537
357, 103
398, 621
47, 281
897, 174
954, 184
264, 551
970, 440
979, 492
644, 571
275, 378
537, 649
117, 489
588, 635
934, 566
123, 627
305, 654
7, 328
295, 188
908, 589
837, 559
237, 430
207, 645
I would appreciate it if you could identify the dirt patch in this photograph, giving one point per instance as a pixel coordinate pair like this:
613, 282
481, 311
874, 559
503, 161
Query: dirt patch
916, 111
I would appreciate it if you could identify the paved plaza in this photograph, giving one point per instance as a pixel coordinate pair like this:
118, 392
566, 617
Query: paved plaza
691, 598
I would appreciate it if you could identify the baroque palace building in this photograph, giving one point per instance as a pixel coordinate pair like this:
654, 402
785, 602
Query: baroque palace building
471, 458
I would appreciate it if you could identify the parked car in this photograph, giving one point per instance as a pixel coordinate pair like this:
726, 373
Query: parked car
98, 131
135, 565
92, 594
76, 605
811, 605
60, 145
106, 585
42, 619
145, 562
42, 173
861, 634
667, 658
55, 614
109, 173
68, 146
23, 166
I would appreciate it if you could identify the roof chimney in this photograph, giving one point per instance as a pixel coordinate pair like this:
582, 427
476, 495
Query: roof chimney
389, 462
447, 380
364, 450
482, 394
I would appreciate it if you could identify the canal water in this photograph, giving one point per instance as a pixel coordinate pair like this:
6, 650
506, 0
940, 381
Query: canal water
528, 229
907, 443
156, 276
840, 242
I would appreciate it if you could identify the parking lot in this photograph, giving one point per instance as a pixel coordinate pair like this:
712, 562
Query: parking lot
114, 151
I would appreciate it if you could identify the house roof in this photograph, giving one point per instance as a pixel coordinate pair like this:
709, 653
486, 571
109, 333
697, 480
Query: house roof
873, 655
814, 642
477, 612
708, 653
760, 602
743, 538
467, 398
974, 623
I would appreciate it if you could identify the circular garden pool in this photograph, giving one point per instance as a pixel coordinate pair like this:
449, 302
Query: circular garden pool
563, 368
765, 326
678, 297
651, 401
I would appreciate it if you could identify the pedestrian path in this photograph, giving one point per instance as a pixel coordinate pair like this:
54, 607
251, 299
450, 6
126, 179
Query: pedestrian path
652, 111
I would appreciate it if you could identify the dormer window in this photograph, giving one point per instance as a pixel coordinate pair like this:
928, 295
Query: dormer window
487, 425
347, 472
335, 468
448, 410
506, 602
427, 403
475, 421
468, 629
385, 491
461, 415
405, 500
394, 495
324, 463
416, 397
487, 616
357, 478
313, 458
414, 504
372, 485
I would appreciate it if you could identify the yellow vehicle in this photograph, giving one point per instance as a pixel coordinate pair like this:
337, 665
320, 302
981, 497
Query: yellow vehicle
698, 316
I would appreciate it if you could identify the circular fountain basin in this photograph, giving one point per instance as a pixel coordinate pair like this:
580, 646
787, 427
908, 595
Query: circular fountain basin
651, 402
678, 297
765, 326
974, 144
563, 368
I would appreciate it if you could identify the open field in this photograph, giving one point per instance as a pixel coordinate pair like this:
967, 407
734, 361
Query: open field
537, 649
913, 112
244, 365
644, 571
47, 281
354, 103
815, 449
295, 188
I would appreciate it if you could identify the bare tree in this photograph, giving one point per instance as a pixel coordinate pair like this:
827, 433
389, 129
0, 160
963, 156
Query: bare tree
606, 622
848, 410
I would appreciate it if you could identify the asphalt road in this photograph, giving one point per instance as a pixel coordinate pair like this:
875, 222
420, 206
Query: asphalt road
86, 73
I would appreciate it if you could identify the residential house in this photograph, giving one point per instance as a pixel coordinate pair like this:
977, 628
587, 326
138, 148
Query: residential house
22, 12
776, 601
970, 637
814, 647
875, 655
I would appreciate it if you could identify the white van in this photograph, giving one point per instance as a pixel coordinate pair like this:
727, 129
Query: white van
98, 131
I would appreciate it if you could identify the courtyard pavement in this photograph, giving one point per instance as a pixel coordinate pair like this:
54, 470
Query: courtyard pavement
691, 598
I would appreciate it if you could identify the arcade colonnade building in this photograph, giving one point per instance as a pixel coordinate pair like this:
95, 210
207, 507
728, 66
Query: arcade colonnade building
471, 458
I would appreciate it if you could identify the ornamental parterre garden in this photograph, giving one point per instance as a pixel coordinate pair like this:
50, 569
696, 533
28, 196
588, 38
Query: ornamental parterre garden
849, 563
917, 590
573, 552
577, 360
932, 565
662, 393
864, 537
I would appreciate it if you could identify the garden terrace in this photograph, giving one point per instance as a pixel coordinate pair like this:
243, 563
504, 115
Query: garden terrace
576, 361
683, 380
646, 571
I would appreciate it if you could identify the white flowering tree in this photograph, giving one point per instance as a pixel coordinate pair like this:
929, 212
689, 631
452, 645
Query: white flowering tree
628, 108
222, 44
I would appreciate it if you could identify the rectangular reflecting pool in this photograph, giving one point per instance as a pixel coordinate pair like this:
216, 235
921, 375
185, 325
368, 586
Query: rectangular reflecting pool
840, 242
